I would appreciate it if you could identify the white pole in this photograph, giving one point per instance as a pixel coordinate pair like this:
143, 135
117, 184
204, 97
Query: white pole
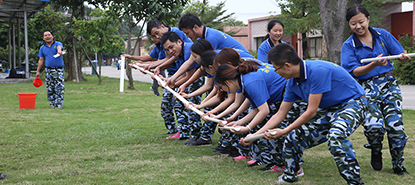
387, 57
26, 44
122, 61
178, 96
255, 137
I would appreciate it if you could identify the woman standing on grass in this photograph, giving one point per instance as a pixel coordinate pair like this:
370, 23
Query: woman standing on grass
275, 30
381, 87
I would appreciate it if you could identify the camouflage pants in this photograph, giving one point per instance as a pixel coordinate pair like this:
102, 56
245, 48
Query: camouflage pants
189, 122
333, 125
385, 115
55, 86
228, 138
167, 110
208, 128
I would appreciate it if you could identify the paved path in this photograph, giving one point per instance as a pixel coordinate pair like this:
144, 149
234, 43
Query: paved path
408, 91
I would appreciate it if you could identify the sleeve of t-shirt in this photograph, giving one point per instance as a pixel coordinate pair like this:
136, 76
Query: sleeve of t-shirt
320, 83
262, 55
392, 45
155, 52
348, 58
258, 92
289, 95
214, 41
40, 52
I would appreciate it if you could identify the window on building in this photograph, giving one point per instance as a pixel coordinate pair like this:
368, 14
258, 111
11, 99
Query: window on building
258, 42
315, 45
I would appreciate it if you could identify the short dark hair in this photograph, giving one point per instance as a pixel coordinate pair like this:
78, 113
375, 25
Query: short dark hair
283, 53
189, 20
153, 24
171, 36
47, 31
207, 58
200, 46
354, 10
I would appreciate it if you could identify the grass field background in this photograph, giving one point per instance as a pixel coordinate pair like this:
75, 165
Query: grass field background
102, 136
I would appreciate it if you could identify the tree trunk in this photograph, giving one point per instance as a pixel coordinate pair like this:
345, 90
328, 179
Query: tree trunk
333, 19
128, 68
77, 12
304, 40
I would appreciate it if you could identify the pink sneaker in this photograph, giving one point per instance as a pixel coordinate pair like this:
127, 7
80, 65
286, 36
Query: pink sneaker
251, 162
241, 157
175, 136
277, 169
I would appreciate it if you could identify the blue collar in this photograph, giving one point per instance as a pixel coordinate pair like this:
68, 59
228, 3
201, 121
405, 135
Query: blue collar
50, 45
169, 28
303, 74
357, 43
204, 32
271, 44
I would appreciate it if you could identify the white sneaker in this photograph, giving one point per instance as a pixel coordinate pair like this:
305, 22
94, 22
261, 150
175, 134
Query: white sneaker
282, 181
300, 172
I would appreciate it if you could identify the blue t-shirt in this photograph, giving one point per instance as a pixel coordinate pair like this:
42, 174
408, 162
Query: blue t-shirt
353, 50
316, 77
159, 52
48, 52
220, 40
264, 49
263, 85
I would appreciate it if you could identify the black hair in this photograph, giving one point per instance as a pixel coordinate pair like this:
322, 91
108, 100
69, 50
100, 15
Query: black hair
153, 24
282, 53
354, 10
200, 46
271, 24
48, 31
171, 36
207, 58
189, 20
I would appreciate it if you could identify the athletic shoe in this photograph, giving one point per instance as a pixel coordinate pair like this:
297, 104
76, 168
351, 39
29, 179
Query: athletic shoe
278, 169
376, 161
175, 136
2, 176
256, 163
234, 152
190, 141
399, 171
282, 181
300, 172
267, 167
220, 149
59, 107
201, 141
251, 161
182, 138
241, 157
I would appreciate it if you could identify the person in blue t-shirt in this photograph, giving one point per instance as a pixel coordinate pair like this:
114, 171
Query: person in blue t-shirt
336, 107
381, 87
263, 88
55, 78
189, 122
155, 29
191, 25
275, 30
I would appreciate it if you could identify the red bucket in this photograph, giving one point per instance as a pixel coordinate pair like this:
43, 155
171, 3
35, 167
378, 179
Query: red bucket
37, 82
27, 100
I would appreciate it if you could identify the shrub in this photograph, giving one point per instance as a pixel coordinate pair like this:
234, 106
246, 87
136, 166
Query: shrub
405, 71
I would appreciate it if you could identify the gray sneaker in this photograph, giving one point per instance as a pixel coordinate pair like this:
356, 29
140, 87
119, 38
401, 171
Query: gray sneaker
59, 107
201, 141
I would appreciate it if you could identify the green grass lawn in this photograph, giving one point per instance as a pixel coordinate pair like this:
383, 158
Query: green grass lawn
102, 136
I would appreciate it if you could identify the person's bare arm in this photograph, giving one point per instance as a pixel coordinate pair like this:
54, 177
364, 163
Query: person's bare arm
39, 66
185, 66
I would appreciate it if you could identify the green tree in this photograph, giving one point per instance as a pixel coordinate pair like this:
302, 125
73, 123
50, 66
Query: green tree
99, 35
136, 11
211, 16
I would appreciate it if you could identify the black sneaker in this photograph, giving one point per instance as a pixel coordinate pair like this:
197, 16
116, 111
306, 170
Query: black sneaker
190, 141
376, 161
267, 167
2, 176
256, 163
181, 138
399, 171
220, 149
201, 141
234, 152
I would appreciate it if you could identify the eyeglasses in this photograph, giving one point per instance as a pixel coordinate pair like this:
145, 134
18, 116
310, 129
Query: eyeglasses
276, 69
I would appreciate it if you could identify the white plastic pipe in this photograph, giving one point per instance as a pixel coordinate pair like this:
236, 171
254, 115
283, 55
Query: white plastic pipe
178, 96
57, 55
387, 57
258, 136
229, 128
122, 61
